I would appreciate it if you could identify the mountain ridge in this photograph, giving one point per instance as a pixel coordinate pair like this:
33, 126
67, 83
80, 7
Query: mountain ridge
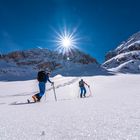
21, 64
126, 57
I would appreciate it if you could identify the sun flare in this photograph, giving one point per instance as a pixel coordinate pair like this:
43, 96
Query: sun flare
66, 41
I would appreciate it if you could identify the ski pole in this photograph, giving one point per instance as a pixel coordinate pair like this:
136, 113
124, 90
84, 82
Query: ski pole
54, 93
90, 90
45, 97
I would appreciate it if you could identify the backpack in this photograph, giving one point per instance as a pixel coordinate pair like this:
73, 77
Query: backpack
81, 84
41, 76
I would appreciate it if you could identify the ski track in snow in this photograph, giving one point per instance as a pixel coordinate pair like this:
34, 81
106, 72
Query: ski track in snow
113, 113
56, 87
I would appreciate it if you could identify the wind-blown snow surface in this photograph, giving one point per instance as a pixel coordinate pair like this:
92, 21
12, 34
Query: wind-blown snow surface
113, 112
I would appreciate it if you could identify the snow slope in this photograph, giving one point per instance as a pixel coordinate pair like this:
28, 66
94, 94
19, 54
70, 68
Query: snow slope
126, 57
112, 113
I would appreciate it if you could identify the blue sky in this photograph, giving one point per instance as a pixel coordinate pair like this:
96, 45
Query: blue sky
101, 25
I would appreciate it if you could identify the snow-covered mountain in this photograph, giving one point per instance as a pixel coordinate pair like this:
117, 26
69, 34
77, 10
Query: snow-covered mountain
25, 64
126, 57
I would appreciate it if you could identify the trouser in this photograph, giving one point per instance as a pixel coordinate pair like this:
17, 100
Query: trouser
39, 95
83, 91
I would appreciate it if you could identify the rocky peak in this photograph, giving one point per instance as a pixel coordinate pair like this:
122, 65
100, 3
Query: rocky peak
30, 61
126, 57
132, 44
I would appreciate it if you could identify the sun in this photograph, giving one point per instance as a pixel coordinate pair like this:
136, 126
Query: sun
66, 41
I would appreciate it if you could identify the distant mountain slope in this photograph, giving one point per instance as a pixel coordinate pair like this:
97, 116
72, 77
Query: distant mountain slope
126, 57
25, 64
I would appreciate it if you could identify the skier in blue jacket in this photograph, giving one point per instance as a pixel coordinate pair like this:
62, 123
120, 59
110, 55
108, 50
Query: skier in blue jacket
42, 77
82, 84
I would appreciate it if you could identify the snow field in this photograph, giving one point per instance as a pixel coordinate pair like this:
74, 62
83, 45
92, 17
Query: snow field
112, 113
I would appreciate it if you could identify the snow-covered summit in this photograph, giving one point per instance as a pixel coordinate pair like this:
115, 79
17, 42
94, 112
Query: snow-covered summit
126, 57
25, 64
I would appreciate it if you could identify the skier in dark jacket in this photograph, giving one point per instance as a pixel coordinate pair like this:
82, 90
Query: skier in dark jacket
82, 84
42, 77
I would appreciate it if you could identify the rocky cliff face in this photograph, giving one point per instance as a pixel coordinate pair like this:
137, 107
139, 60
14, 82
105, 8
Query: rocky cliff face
46, 59
126, 57
27, 63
